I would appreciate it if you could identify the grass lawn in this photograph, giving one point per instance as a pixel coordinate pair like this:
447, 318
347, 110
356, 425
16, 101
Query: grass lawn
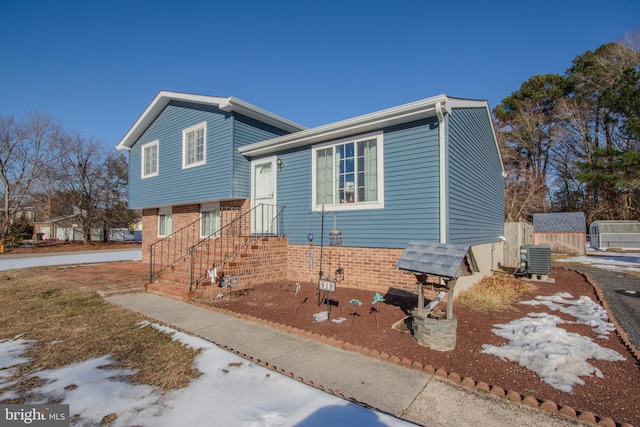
69, 323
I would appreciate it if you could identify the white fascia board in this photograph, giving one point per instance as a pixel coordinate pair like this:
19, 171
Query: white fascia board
154, 109
226, 104
466, 103
249, 110
366, 123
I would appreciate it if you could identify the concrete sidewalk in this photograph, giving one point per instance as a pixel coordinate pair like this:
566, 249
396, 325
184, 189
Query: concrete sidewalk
406, 393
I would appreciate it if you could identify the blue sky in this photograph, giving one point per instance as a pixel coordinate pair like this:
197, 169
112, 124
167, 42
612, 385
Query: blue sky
95, 66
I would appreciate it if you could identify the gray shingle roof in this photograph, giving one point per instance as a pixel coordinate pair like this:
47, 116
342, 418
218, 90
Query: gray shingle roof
437, 259
561, 222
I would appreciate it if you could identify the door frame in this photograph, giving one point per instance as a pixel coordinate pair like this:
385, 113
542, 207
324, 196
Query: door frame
272, 160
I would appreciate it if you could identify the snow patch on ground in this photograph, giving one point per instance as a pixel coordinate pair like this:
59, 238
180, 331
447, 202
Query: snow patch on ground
584, 309
608, 261
229, 392
557, 356
11, 351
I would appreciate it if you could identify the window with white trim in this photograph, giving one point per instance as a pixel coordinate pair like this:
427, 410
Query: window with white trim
194, 145
164, 222
347, 174
209, 219
149, 165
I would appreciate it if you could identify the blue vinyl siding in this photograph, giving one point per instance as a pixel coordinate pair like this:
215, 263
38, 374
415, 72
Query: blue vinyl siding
476, 185
226, 173
410, 194
174, 185
247, 131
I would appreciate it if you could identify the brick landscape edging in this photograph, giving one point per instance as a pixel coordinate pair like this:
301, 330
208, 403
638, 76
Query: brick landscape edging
479, 387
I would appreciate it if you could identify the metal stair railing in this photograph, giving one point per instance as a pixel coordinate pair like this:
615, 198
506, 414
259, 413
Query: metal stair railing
234, 238
171, 249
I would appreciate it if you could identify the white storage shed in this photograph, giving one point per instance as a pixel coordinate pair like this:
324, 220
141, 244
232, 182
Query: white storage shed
615, 234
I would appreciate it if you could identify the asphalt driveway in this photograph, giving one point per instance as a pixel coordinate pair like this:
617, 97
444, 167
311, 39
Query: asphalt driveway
622, 292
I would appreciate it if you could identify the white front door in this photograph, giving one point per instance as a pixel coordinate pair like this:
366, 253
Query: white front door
263, 196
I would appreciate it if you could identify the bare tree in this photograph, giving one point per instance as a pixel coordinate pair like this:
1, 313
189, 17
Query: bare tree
82, 177
25, 151
526, 127
524, 192
114, 191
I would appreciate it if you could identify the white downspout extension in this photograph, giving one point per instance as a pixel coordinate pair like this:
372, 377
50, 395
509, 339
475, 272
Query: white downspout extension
444, 170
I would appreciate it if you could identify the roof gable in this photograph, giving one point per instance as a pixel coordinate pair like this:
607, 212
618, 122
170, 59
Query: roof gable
230, 104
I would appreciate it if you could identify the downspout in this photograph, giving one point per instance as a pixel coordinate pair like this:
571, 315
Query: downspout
444, 171
231, 152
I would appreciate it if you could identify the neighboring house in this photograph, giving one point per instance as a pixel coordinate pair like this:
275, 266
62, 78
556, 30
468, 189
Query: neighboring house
564, 232
210, 168
66, 229
615, 234
25, 213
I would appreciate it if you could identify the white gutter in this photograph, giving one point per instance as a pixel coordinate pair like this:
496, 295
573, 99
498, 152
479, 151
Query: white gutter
444, 170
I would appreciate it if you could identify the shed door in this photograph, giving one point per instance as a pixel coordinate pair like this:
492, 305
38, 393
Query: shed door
263, 196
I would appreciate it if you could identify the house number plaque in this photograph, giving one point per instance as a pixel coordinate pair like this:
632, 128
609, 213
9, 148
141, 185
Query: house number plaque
327, 285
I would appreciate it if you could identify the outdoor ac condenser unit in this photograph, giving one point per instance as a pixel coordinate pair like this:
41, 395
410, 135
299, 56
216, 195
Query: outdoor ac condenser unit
535, 260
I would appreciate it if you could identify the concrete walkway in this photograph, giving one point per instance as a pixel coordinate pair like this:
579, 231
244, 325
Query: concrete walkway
15, 261
406, 393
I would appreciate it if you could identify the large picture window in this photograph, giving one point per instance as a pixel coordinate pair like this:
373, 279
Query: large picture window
149, 166
348, 173
194, 145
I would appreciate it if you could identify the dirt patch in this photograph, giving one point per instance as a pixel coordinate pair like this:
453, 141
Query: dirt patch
109, 276
372, 326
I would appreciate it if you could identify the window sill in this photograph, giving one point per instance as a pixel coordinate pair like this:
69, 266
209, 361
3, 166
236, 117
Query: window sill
349, 207
193, 165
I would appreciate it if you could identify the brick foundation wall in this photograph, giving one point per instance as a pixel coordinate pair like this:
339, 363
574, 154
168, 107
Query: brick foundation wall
184, 215
149, 231
375, 268
364, 268
229, 213
181, 216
